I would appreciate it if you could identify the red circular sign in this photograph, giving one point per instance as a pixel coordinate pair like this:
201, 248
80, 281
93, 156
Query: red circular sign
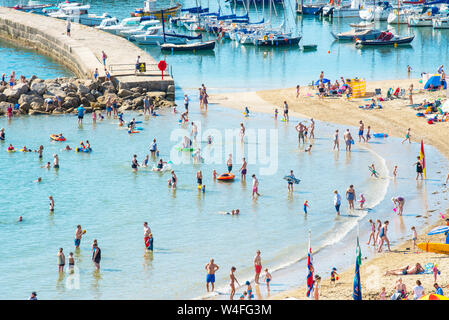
162, 65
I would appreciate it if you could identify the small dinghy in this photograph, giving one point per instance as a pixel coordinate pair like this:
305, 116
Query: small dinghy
192, 46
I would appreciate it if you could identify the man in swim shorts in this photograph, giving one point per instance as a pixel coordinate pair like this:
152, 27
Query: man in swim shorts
229, 163
78, 236
361, 129
257, 266
211, 268
243, 169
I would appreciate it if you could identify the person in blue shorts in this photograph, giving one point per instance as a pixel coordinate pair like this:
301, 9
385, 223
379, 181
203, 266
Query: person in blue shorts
211, 268
80, 114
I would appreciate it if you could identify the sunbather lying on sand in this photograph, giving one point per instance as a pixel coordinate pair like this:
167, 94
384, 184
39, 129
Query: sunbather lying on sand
406, 270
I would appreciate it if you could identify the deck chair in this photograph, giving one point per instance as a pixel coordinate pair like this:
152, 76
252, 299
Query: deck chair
390, 93
378, 92
396, 93
401, 93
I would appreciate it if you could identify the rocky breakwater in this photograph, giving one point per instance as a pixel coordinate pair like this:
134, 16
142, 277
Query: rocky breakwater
64, 95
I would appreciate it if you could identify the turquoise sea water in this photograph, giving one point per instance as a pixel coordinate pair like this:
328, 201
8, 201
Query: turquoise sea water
100, 191
26, 62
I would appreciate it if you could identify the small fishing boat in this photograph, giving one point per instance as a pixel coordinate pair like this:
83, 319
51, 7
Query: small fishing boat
277, 40
386, 39
148, 11
363, 34
193, 46
309, 47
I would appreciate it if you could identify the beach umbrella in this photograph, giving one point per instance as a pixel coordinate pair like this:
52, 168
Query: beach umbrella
438, 230
309, 270
324, 81
433, 296
357, 287
435, 81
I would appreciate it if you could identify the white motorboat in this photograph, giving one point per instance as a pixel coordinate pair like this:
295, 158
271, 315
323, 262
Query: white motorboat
343, 10
108, 22
440, 23
379, 12
80, 15
128, 23
420, 21
155, 36
141, 29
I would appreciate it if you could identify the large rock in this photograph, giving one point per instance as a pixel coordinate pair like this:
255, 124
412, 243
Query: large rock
21, 88
109, 86
24, 108
12, 95
4, 107
38, 87
37, 106
3, 97
137, 102
83, 90
90, 97
154, 94
29, 98
54, 90
71, 102
123, 93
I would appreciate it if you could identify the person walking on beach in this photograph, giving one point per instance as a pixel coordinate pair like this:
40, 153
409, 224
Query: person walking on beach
242, 132
336, 142
96, 254
410, 94
290, 182
232, 284
297, 91
69, 24
337, 201
368, 134
419, 168
373, 233
286, 111
379, 226
61, 260
316, 287
383, 237
255, 186
78, 236
361, 129
398, 204
147, 237
407, 136
300, 128
104, 57
257, 266
243, 169
312, 129
211, 268
350, 196
348, 140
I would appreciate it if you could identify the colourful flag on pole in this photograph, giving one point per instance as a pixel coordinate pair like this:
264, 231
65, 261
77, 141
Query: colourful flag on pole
357, 288
310, 271
422, 157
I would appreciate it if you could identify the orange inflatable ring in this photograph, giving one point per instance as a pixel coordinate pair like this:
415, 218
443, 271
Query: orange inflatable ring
226, 176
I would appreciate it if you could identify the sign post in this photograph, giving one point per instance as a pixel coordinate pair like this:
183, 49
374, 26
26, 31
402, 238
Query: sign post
162, 65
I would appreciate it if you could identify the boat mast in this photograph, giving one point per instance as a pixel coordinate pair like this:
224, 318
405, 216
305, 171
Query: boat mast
163, 24
398, 18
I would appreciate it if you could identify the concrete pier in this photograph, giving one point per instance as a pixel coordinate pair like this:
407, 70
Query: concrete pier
81, 52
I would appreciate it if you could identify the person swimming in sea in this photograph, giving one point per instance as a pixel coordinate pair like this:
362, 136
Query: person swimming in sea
160, 165
67, 148
10, 148
308, 149
47, 166
38, 180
